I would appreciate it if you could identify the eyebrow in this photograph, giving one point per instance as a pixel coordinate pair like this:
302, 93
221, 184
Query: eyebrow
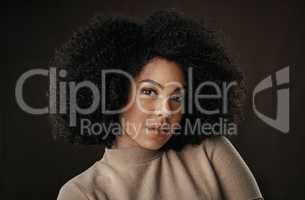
160, 85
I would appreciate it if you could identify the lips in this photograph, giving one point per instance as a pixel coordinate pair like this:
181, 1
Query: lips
160, 128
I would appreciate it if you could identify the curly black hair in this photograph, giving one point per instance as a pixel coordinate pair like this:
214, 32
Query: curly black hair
120, 43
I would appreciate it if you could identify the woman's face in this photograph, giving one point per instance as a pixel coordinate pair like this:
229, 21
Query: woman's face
155, 106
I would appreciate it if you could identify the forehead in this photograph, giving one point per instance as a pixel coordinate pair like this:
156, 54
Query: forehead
162, 71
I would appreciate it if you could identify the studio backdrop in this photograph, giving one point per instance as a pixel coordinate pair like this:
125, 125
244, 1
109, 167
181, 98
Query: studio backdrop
264, 38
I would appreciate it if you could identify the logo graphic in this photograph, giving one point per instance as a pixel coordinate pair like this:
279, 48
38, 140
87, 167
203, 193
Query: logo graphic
281, 122
65, 91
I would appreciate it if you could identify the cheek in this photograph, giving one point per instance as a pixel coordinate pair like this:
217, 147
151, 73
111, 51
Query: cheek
134, 114
145, 104
133, 121
176, 118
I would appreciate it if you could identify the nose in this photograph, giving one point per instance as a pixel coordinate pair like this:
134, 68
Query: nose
163, 109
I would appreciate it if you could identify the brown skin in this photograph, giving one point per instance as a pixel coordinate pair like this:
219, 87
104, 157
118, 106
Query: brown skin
157, 101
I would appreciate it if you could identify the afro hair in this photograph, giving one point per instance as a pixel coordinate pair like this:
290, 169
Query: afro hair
119, 43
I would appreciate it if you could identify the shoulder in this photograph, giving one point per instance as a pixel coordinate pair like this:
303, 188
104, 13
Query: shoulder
203, 151
234, 175
217, 144
220, 151
72, 190
210, 147
82, 186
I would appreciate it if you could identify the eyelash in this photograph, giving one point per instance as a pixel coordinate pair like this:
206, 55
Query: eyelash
148, 89
177, 98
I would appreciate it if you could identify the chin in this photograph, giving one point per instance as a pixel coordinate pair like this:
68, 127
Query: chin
152, 146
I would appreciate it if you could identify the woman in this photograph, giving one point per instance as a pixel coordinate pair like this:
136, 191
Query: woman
158, 153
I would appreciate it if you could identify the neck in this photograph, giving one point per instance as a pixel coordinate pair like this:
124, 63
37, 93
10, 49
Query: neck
124, 141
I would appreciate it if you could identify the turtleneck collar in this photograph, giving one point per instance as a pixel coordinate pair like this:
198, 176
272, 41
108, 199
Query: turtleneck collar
130, 155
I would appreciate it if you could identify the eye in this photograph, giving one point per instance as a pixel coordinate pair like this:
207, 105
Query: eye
177, 98
148, 92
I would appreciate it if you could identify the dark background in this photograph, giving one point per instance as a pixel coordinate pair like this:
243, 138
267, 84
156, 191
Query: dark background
262, 36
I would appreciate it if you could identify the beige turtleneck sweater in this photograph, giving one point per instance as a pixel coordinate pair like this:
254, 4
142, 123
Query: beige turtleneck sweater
211, 170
